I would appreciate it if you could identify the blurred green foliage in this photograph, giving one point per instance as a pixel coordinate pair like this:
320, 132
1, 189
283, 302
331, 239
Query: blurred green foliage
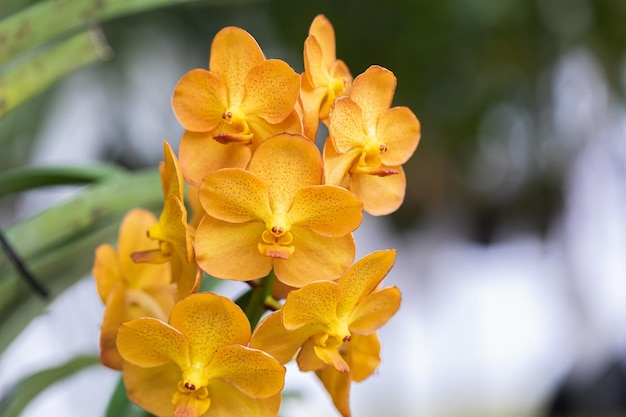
456, 60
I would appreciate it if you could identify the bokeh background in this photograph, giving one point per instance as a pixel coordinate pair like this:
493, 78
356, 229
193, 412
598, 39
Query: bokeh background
512, 238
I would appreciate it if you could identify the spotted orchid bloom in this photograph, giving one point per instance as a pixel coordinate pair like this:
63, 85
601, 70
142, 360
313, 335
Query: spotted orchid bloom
333, 325
369, 142
277, 215
129, 290
173, 234
198, 363
230, 109
324, 78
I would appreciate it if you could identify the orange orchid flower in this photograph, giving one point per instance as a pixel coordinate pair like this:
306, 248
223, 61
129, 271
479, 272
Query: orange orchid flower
369, 142
198, 363
174, 235
129, 290
325, 77
277, 215
333, 325
230, 109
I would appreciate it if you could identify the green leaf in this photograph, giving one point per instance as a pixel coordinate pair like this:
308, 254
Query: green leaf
24, 179
20, 82
47, 20
120, 405
12, 404
57, 245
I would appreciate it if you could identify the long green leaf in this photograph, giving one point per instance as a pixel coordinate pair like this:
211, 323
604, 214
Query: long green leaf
46, 20
58, 245
20, 82
28, 388
51, 228
120, 405
24, 179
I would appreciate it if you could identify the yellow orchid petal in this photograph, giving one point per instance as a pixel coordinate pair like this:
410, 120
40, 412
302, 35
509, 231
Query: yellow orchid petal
199, 100
315, 69
307, 359
313, 305
373, 92
251, 371
228, 401
106, 270
149, 342
233, 54
332, 357
235, 196
311, 99
337, 165
229, 251
363, 277
285, 163
399, 130
115, 312
324, 32
132, 237
171, 173
380, 195
338, 386
200, 155
375, 310
271, 336
186, 275
152, 388
364, 352
346, 125
192, 404
327, 210
316, 258
172, 225
209, 321
271, 90
262, 130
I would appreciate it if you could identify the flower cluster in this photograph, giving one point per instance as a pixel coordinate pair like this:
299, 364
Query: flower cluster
271, 210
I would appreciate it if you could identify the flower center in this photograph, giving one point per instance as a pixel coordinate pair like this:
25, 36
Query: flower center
277, 238
192, 397
235, 117
370, 162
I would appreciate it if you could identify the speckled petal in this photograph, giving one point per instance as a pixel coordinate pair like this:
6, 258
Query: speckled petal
363, 278
327, 210
285, 163
252, 371
235, 196
209, 321
149, 342
364, 356
200, 155
271, 91
346, 125
314, 304
230, 251
316, 258
338, 386
399, 130
152, 388
233, 54
199, 100
228, 401
271, 336
375, 310
373, 91
380, 195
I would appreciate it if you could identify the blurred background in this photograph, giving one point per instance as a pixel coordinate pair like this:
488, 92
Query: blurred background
512, 238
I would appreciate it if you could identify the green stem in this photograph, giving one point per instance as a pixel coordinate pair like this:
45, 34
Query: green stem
20, 82
256, 305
